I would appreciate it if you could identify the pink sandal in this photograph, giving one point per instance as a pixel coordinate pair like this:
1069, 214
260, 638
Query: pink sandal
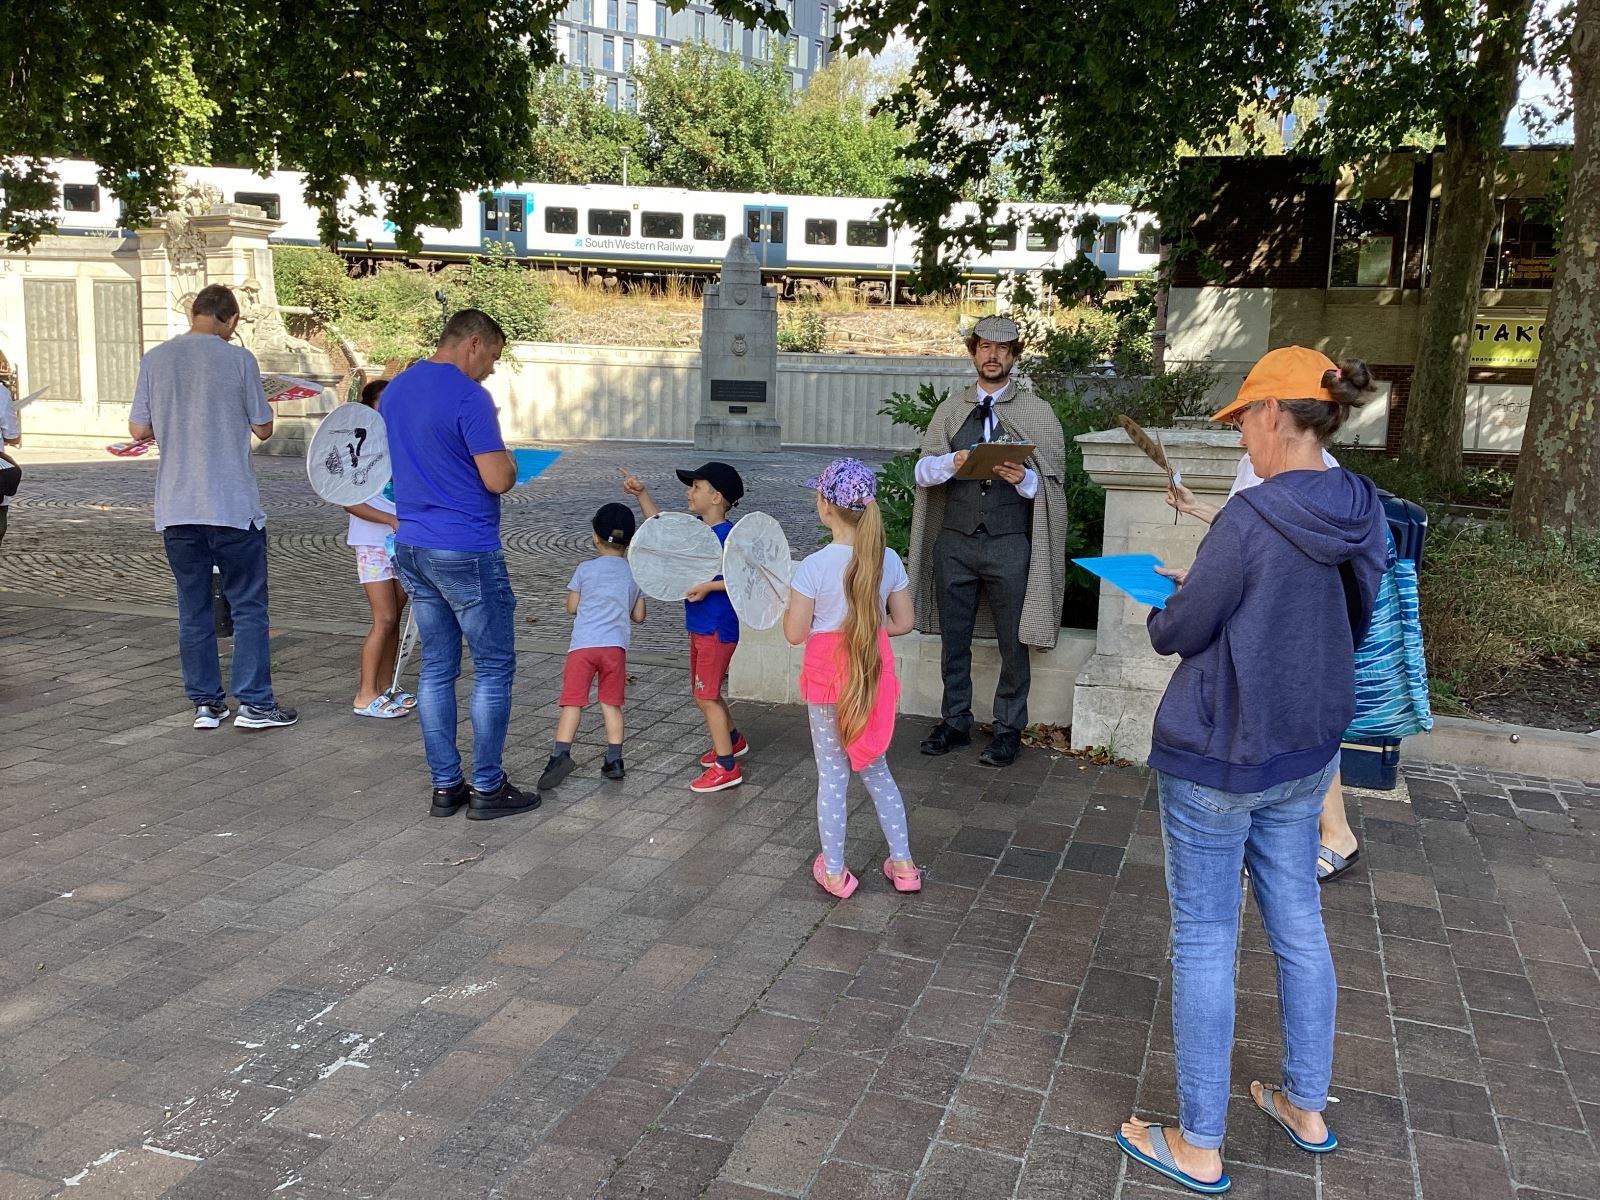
902, 883
844, 889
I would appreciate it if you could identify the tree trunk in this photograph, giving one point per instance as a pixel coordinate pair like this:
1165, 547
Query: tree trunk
1558, 474
1465, 170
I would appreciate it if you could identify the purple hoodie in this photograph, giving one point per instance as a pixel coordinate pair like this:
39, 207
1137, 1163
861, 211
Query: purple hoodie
1266, 687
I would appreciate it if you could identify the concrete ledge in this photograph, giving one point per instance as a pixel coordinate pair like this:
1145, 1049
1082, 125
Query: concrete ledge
767, 668
1523, 749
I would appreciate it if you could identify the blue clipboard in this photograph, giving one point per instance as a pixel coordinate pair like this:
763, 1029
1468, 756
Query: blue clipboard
533, 463
1134, 574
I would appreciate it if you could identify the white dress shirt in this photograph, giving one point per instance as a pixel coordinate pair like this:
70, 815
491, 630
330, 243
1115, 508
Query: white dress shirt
941, 468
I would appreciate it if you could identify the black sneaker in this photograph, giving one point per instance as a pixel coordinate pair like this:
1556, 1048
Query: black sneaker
506, 801
557, 769
613, 769
251, 717
447, 800
209, 716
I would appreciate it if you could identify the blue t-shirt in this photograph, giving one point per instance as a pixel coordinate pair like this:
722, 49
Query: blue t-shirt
715, 613
437, 419
606, 596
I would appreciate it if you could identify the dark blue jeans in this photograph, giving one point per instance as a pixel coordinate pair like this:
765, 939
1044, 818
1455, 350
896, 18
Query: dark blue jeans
456, 594
240, 555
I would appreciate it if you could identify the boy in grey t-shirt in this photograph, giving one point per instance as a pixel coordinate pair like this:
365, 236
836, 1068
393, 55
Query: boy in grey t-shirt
605, 603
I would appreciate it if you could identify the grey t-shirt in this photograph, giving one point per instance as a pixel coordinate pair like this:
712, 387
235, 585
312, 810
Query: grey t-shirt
201, 395
606, 595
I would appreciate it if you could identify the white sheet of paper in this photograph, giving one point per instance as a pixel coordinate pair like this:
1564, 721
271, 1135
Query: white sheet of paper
671, 552
756, 569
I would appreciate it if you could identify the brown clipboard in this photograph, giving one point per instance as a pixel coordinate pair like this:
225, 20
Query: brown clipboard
983, 458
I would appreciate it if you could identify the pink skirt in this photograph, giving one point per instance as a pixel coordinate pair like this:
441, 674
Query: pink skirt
823, 675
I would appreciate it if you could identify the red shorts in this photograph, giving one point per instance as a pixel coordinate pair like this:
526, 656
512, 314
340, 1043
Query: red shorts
709, 656
610, 663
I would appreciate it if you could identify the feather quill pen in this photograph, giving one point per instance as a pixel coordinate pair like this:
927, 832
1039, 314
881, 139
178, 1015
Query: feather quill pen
1153, 450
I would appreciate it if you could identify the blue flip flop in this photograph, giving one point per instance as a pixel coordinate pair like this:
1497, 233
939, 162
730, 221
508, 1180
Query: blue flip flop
1271, 1109
1164, 1164
383, 708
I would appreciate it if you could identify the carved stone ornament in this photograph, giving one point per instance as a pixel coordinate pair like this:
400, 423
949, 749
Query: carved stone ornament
739, 345
741, 293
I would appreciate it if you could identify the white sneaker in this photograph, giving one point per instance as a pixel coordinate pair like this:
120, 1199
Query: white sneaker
209, 716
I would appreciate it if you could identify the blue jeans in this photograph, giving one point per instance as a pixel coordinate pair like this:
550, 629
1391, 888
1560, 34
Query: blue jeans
1206, 833
456, 594
241, 557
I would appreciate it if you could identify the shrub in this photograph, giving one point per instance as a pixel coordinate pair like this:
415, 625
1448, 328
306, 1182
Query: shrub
513, 294
307, 277
1485, 487
393, 314
802, 330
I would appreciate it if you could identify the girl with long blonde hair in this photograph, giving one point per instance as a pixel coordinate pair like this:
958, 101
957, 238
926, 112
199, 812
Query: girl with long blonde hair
845, 602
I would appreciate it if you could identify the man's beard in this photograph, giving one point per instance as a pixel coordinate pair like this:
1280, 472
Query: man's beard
1004, 371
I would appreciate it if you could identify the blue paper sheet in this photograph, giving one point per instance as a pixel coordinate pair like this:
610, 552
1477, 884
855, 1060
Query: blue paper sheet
1134, 574
533, 463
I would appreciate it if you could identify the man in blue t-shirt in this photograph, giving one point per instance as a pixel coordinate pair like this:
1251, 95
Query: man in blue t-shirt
450, 468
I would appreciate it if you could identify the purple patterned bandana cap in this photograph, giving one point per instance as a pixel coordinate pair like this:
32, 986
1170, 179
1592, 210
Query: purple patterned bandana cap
846, 483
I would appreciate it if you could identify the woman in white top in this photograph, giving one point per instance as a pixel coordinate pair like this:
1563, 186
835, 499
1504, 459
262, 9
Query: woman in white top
1339, 850
371, 536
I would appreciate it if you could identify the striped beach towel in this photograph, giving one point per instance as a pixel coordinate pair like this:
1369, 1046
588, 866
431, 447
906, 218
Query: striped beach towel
1391, 671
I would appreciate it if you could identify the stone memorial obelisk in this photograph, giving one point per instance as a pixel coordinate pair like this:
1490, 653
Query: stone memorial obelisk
739, 359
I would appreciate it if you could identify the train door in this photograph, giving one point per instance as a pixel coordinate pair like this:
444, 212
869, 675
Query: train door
768, 231
505, 219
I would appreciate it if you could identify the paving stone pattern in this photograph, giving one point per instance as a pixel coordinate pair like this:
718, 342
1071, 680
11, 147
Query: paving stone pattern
85, 530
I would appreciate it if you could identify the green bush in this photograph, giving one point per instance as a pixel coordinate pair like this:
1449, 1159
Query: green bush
307, 277
802, 330
514, 295
392, 315
1484, 487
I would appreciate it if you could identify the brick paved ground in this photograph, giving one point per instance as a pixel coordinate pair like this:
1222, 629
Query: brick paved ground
241, 965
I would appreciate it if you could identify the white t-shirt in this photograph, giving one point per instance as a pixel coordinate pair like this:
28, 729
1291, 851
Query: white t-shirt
1246, 476
370, 533
821, 577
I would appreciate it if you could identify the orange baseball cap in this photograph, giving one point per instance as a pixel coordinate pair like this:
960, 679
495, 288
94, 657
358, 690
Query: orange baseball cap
1289, 373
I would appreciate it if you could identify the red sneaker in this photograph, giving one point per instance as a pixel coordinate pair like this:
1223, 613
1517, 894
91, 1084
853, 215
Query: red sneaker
740, 749
716, 779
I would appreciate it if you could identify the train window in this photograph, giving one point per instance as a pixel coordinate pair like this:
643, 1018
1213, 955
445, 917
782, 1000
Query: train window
1110, 236
517, 209
561, 220
822, 233
491, 214
80, 197
661, 225
610, 222
1000, 237
710, 227
1042, 238
1086, 243
1150, 239
866, 233
775, 227
752, 225
267, 202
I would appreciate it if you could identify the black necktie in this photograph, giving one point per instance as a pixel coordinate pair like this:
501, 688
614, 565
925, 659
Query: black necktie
985, 411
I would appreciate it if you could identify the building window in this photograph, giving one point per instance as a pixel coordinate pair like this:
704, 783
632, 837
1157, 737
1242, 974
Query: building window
630, 96
583, 53
610, 222
699, 27
1000, 237
866, 233
50, 320
1042, 238
820, 57
822, 233
611, 94
1110, 238
1521, 250
267, 202
116, 339
763, 43
608, 55
586, 12
611, 14
661, 225
661, 19
631, 13
561, 220
1150, 238
1369, 238
710, 227
794, 52
80, 197
627, 54
727, 36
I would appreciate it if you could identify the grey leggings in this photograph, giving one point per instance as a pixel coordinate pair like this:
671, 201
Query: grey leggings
833, 782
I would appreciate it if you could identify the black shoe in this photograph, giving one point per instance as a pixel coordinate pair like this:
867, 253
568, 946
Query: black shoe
209, 716
505, 801
1003, 751
613, 769
447, 800
557, 769
945, 738
251, 717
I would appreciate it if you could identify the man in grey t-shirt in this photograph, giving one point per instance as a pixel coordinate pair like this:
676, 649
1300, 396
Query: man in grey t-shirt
201, 399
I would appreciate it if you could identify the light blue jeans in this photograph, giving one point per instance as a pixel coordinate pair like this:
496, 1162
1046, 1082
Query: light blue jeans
456, 594
1206, 834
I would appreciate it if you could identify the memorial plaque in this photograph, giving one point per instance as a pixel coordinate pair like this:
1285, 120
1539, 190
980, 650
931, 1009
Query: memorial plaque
738, 391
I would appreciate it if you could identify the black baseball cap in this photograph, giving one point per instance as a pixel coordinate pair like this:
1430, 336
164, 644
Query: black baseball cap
614, 524
720, 476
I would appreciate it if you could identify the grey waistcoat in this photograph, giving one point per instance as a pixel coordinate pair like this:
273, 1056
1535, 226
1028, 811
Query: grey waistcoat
991, 503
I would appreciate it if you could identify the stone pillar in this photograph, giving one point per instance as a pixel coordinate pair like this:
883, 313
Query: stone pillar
1119, 688
739, 359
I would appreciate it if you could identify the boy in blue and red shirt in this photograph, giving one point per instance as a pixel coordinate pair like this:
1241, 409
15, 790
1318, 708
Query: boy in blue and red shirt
709, 617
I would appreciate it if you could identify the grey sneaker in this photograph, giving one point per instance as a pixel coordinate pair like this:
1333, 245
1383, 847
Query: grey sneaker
250, 717
209, 716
